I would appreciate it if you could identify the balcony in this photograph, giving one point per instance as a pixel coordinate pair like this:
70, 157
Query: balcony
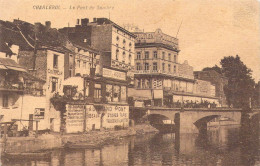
11, 86
163, 72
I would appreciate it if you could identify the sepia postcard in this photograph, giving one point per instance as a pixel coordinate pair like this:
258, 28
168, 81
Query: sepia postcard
129, 82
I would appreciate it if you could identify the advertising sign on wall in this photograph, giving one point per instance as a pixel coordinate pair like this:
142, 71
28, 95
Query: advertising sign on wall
75, 118
114, 74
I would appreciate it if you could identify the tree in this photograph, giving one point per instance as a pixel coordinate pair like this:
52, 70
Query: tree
216, 68
256, 96
240, 83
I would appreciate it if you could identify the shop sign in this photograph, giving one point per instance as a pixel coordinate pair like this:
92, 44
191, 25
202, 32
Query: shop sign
55, 72
114, 74
39, 113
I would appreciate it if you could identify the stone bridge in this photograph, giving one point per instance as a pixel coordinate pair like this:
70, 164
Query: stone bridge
192, 120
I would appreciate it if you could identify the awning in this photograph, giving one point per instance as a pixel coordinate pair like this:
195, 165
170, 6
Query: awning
143, 94
16, 68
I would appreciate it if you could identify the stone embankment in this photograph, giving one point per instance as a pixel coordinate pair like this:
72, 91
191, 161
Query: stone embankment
93, 139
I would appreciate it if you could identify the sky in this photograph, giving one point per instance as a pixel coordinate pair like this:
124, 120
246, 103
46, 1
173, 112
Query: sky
208, 29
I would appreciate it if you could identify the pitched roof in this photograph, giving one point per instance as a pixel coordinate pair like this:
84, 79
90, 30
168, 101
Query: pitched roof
11, 64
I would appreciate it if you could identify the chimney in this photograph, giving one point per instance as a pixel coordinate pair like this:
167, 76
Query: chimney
47, 25
84, 22
37, 27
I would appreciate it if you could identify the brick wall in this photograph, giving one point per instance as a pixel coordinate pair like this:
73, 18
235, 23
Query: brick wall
26, 60
101, 37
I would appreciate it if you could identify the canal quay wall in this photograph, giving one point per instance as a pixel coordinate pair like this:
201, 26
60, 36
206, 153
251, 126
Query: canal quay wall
52, 141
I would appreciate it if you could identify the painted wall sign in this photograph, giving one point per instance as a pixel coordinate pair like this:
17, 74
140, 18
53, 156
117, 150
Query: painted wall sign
56, 72
114, 74
75, 118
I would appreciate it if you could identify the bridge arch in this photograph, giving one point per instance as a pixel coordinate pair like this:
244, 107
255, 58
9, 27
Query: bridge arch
196, 121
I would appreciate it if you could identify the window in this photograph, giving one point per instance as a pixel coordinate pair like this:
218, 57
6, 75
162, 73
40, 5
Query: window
130, 44
163, 66
155, 66
78, 63
55, 61
146, 66
169, 57
87, 88
138, 66
123, 93
138, 84
117, 38
117, 52
129, 58
138, 55
146, 55
109, 92
54, 84
175, 58
116, 93
163, 55
5, 100
97, 91
85, 65
169, 68
155, 54
124, 56
124, 41
174, 69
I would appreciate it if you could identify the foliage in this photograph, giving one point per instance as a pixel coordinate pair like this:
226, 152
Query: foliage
59, 102
256, 96
240, 83
216, 68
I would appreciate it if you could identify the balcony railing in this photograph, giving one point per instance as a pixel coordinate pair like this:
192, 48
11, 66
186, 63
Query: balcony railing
10, 86
163, 72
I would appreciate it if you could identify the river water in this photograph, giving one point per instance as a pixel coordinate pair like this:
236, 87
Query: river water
221, 146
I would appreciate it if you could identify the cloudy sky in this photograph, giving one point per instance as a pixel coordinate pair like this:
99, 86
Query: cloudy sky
210, 30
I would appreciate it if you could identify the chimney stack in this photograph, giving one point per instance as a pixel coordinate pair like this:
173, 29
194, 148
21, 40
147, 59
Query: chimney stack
47, 25
84, 21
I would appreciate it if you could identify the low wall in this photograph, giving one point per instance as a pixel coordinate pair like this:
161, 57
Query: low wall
51, 141
30, 144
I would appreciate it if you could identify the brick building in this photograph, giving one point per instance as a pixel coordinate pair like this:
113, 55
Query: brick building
218, 80
116, 44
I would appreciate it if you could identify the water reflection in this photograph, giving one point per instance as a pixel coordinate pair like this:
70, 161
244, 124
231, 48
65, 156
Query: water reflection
221, 146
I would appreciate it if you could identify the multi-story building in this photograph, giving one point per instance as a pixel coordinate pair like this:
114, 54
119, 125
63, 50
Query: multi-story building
160, 80
116, 44
64, 66
105, 88
218, 80
21, 94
